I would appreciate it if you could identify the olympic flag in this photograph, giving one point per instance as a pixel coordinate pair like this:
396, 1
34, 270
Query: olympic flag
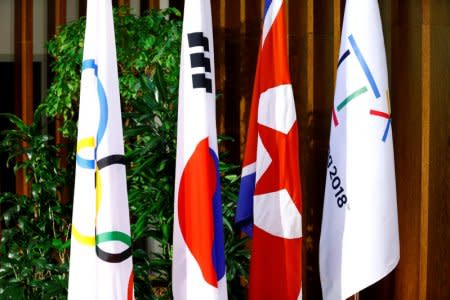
269, 206
100, 255
198, 269
359, 242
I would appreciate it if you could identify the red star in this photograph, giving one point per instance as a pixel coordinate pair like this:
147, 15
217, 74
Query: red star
283, 172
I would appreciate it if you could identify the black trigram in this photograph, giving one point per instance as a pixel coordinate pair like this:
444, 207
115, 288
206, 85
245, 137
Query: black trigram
199, 60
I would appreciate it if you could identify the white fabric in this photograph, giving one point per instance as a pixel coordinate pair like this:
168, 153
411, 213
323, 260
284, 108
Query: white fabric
280, 114
263, 160
249, 169
277, 214
359, 241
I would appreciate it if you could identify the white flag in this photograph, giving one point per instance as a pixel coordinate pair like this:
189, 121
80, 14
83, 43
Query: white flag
359, 242
100, 254
198, 270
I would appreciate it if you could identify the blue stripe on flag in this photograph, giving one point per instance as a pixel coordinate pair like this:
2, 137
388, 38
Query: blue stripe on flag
218, 251
266, 7
363, 63
244, 209
85, 163
89, 64
343, 57
386, 131
103, 111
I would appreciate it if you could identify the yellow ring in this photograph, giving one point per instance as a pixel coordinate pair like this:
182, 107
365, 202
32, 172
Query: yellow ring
81, 238
85, 143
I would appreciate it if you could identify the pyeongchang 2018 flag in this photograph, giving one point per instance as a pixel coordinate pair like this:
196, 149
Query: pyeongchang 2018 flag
359, 242
198, 269
100, 255
270, 206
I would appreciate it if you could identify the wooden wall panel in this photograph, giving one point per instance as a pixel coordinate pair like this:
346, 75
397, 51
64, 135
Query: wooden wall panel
438, 272
123, 2
57, 15
236, 39
218, 18
229, 102
406, 95
425, 157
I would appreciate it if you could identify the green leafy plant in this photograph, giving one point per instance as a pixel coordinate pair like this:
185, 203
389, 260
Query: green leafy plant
34, 243
148, 50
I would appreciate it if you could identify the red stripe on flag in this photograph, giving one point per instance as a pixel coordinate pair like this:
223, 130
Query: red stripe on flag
195, 208
275, 268
380, 114
130, 286
335, 119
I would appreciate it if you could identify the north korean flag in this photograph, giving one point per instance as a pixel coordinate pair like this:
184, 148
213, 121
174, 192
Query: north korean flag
270, 207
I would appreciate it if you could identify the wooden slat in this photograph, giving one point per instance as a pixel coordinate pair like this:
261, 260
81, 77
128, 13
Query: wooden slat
406, 99
154, 4
118, 3
56, 15
23, 48
425, 159
149, 4
338, 13
438, 265
24, 58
